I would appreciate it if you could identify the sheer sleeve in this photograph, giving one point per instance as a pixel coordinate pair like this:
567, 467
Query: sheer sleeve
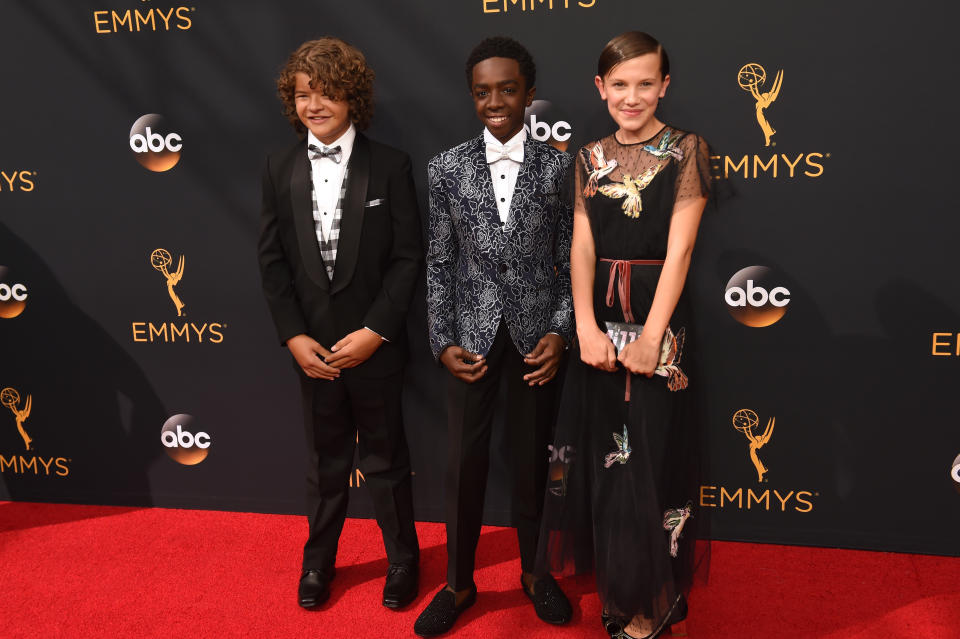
693, 176
580, 179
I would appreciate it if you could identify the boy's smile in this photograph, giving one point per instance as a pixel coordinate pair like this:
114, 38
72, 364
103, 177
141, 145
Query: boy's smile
500, 95
325, 117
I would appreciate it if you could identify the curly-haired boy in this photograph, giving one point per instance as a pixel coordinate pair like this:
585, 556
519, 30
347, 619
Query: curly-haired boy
340, 252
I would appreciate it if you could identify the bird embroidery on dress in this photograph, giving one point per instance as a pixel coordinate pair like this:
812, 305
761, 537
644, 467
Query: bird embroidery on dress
622, 454
599, 167
673, 521
670, 350
665, 149
630, 189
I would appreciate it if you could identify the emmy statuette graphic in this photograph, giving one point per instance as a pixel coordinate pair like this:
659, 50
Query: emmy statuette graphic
160, 259
745, 420
10, 398
751, 77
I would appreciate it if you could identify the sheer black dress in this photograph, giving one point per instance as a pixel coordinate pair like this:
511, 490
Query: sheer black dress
625, 463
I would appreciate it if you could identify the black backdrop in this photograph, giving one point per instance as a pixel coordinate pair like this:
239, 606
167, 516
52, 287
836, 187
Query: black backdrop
848, 209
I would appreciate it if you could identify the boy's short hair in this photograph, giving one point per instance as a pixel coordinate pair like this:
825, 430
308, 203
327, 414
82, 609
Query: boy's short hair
503, 47
336, 67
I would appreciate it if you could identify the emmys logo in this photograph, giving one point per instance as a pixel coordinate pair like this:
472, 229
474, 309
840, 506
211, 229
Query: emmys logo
183, 446
20, 464
945, 345
745, 421
156, 151
161, 260
10, 398
955, 473
13, 295
113, 21
17, 181
502, 6
538, 117
752, 300
752, 78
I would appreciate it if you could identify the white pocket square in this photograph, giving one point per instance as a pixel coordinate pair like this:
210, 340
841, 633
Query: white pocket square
376, 202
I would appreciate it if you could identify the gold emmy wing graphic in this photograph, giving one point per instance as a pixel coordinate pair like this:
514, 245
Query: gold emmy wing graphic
751, 77
160, 259
10, 398
745, 420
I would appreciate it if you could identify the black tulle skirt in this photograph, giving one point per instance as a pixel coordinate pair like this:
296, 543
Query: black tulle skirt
623, 488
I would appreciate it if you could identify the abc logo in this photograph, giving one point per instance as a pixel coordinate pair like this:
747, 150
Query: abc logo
183, 442
955, 473
564, 454
538, 117
152, 143
13, 295
754, 298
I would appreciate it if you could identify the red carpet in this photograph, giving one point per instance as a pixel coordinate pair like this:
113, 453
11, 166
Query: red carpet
92, 571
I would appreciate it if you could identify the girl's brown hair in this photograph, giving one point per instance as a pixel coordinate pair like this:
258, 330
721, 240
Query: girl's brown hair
631, 45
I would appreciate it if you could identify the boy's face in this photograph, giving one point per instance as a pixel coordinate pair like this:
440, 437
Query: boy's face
325, 117
500, 95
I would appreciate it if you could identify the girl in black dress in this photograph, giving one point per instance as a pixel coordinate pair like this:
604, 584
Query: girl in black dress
625, 462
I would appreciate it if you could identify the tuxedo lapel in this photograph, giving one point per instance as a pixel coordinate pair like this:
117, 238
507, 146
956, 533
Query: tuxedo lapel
301, 199
351, 222
481, 171
523, 187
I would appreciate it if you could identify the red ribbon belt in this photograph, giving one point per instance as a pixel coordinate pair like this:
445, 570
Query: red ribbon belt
621, 269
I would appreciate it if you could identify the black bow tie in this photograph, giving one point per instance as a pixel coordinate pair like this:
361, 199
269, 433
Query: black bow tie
332, 152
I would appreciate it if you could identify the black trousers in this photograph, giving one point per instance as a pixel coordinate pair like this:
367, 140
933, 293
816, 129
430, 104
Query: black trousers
339, 416
528, 421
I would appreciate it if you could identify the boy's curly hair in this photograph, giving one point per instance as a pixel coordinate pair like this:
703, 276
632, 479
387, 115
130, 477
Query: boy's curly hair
339, 69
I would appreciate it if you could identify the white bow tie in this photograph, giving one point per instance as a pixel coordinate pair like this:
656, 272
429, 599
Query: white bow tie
497, 152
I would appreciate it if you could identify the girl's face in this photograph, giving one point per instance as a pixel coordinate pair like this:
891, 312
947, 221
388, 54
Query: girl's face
632, 90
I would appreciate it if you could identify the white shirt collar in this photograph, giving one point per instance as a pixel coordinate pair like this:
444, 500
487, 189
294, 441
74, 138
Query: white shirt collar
520, 137
345, 141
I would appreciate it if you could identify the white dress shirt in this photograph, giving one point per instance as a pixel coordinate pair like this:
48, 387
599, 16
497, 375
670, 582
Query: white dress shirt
504, 172
328, 178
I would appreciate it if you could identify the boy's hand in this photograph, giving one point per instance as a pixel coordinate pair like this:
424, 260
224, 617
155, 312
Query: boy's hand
546, 354
309, 353
462, 364
355, 348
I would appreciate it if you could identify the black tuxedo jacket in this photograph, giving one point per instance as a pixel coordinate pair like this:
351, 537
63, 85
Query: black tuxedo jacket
378, 255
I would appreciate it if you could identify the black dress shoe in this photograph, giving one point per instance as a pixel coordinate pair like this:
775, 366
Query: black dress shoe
401, 586
549, 602
314, 587
441, 613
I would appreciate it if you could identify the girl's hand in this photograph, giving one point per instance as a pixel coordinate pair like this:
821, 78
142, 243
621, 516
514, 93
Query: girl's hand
597, 350
641, 356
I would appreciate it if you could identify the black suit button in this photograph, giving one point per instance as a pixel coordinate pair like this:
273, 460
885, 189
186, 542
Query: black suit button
503, 268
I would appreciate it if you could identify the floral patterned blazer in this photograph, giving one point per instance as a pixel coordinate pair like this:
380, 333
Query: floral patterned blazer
480, 271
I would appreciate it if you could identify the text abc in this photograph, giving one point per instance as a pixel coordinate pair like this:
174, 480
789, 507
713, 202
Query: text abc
150, 141
16, 292
757, 296
184, 439
543, 132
